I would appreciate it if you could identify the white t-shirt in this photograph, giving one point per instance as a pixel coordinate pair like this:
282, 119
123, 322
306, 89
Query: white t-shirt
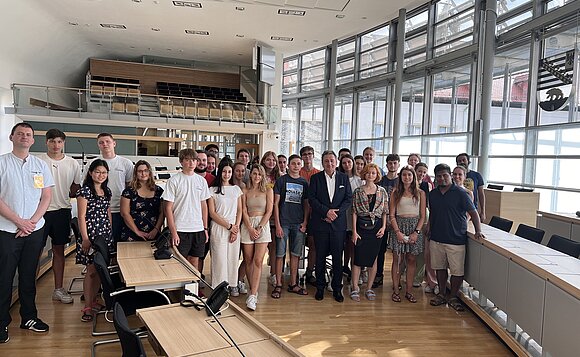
120, 172
186, 192
21, 184
64, 172
226, 204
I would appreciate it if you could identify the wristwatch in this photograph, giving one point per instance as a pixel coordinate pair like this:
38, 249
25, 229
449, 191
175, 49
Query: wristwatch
417, 231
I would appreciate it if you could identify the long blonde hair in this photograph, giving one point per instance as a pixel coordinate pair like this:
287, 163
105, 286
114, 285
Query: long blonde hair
262, 185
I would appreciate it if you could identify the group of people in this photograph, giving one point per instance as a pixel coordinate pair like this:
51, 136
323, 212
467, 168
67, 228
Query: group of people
351, 210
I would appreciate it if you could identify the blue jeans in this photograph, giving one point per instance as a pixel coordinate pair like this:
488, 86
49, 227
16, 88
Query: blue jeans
292, 233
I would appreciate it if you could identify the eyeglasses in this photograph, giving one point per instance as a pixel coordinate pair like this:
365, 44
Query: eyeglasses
146, 171
100, 172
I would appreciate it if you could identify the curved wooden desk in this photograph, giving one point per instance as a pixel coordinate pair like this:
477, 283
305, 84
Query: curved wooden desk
536, 286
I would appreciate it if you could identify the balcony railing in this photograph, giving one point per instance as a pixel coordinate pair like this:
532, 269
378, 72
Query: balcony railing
50, 100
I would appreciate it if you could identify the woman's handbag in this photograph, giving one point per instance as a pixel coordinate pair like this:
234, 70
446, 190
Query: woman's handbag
365, 222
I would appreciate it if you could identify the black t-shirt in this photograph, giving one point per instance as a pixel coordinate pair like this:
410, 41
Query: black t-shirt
389, 184
293, 192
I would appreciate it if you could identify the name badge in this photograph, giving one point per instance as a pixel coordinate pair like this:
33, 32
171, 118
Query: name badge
38, 181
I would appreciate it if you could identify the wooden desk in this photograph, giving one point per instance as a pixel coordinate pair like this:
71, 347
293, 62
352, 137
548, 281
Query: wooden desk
180, 331
519, 207
566, 225
143, 272
537, 287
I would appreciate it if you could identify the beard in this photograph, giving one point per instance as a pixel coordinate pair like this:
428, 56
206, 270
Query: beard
199, 170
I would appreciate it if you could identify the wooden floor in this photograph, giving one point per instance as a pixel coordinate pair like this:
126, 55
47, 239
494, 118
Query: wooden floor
315, 328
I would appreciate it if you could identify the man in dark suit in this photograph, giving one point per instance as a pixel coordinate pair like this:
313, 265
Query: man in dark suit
330, 196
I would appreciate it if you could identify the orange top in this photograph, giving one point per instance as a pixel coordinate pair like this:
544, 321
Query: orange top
308, 174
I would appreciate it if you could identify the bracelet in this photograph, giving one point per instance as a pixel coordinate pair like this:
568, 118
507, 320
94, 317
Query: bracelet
205, 228
231, 225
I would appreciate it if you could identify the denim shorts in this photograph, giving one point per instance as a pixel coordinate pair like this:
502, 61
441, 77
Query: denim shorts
296, 237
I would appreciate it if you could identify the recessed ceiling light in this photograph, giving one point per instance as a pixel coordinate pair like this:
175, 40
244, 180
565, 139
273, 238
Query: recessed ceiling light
291, 12
193, 4
239, 54
131, 46
196, 32
137, 0
114, 26
156, 29
364, 17
281, 38
340, 16
315, 41
99, 44
239, 35
239, 8
73, 23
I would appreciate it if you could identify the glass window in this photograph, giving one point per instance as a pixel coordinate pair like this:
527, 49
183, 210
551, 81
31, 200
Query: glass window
509, 94
377, 144
290, 80
451, 92
505, 6
345, 66
290, 65
288, 128
512, 22
373, 57
312, 86
373, 71
371, 113
506, 169
344, 79
374, 39
412, 107
345, 49
416, 42
408, 145
409, 61
342, 117
502, 143
313, 74
416, 21
447, 145
314, 58
445, 9
454, 28
554, 4
311, 126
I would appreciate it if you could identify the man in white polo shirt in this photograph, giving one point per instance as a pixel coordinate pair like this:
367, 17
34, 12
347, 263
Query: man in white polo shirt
66, 173
25, 193
120, 175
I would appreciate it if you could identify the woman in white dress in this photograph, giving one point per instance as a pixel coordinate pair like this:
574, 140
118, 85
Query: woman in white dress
225, 209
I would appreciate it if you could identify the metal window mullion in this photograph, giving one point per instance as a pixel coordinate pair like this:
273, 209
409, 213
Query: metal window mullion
331, 53
505, 97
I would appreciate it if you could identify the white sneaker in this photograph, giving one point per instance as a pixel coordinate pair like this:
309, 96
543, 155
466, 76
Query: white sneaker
242, 287
234, 291
436, 290
251, 302
428, 289
62, 296
273, 280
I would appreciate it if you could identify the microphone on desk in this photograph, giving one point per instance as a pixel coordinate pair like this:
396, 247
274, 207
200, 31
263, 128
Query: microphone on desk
578, 213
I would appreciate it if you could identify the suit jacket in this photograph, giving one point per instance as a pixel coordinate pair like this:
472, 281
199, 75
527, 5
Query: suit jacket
320, 202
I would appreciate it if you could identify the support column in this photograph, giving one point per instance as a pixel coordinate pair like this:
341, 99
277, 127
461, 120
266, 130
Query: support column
487, 83
331, 95
399, 79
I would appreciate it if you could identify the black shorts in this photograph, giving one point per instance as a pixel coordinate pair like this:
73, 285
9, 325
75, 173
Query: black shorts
191, 244
57, 226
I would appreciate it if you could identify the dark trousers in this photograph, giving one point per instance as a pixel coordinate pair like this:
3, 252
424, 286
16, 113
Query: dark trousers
329, 243
381, 256
21, 253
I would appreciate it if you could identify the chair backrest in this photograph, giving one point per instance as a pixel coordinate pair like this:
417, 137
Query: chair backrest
501, 223
106, 281
130, 342
530, 233
565, 245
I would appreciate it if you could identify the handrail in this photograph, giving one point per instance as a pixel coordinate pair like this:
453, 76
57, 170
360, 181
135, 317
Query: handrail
25, 85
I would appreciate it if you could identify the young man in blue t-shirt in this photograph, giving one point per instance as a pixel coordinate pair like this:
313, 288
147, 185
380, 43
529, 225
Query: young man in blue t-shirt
473, 182
291, 218
447, 230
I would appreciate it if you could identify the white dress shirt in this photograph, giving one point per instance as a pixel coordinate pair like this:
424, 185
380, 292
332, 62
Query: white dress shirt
330, 183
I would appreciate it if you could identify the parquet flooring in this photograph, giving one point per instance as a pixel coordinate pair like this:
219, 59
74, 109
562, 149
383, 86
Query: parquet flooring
315, 328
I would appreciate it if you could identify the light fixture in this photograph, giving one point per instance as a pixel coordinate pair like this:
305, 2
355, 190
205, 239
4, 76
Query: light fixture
291, 12
239, 8
340, 16
73, 23
114, 26
196, 32
156, 29
239, 35
281, 38
193, 4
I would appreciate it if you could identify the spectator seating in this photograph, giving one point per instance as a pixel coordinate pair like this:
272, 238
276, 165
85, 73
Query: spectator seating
501, 223
565, 245
530, 233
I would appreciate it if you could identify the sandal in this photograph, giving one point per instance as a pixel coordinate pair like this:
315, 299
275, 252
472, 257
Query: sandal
277, 292
370, 294
87, 315
410, 297
300, 291
96, 307
355, 295
396, 297
438, 300
456, 304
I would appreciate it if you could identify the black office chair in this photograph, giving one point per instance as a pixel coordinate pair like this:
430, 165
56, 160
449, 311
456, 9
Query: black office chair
530, 233
501, 223
565, 245
130, 341
129, 299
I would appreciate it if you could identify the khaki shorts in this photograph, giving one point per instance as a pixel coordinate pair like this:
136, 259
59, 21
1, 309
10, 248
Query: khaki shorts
264, 237
447, 255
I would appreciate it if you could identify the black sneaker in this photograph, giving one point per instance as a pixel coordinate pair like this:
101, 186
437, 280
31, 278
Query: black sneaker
4, 335
35, 325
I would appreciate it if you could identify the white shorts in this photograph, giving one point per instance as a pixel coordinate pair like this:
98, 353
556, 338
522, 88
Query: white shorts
265, 236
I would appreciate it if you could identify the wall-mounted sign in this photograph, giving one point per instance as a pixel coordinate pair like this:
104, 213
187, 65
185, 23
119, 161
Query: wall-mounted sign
555, 77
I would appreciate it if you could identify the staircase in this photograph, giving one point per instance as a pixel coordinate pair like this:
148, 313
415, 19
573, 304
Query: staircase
148, 106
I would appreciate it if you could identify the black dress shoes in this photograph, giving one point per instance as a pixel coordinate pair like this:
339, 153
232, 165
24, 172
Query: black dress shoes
319, 294
338, 296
